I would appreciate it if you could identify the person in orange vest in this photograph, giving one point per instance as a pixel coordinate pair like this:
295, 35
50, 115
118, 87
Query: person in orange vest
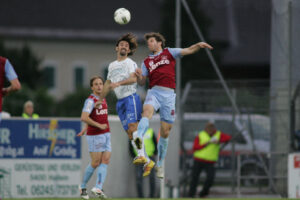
206, 153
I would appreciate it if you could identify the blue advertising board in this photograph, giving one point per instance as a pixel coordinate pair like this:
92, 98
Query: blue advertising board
40, 139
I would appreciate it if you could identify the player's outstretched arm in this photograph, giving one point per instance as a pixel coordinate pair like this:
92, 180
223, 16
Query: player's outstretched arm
132, 79
85, 117
141, 80
194, 48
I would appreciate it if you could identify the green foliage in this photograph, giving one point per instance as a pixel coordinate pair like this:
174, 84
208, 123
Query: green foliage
43, 102
25, 64
71, 105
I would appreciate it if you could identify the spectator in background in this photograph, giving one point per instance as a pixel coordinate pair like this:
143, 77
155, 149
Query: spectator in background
7, 70
151, 150
206, 153
28, 111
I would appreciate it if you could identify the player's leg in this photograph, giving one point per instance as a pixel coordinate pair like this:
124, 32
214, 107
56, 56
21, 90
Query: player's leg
104, 161
162, 147
133, 110
167, 117
141, 158
150, 105
91, 166
88, 173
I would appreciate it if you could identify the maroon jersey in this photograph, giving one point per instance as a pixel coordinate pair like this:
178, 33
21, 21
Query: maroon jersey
2, 78
99, 115
161, 69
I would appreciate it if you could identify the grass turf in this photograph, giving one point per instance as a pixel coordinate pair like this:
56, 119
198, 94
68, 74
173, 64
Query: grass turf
156, 198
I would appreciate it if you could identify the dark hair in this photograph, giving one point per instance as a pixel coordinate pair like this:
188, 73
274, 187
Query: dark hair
158, 37
94, 78
131, 39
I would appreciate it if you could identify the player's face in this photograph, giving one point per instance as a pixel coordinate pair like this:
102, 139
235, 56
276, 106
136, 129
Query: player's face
153, 45
97, 86
123, 48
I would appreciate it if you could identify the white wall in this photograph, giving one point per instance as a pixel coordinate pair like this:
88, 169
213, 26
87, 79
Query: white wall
65, 54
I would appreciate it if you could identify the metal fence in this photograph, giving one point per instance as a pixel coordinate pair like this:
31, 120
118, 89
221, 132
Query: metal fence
244, 163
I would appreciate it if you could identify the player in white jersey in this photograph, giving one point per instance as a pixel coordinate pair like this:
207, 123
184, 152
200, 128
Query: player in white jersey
122, 79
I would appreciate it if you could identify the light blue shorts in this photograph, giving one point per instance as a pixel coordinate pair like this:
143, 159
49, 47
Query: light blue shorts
164, 100
99, 143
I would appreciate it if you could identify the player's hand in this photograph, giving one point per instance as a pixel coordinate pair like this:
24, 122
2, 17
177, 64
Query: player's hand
138, 73
98, 103
114, 85
103, 126
204, 45
81, 133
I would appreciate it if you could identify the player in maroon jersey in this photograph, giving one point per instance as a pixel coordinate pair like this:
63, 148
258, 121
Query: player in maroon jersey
7, 71
159, 67
98, 138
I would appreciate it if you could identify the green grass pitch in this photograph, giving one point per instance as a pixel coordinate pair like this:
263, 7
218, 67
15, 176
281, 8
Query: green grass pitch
157, 199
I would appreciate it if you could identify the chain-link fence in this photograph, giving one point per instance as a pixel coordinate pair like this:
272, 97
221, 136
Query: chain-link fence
205, 101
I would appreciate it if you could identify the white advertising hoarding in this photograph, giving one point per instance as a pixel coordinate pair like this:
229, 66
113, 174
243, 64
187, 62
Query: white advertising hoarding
294, 175
39, 158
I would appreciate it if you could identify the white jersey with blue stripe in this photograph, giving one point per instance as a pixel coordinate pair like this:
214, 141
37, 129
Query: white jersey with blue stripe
119, 71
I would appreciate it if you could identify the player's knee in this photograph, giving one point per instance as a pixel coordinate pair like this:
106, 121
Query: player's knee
165, 132
95, 163
105, 160
131, 128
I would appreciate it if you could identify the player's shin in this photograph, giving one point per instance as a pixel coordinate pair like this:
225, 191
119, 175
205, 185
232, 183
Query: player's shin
89, 170
101, 175
162, 147
143, 127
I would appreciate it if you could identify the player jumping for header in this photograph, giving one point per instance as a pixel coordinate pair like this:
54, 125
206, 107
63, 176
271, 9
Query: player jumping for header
122, 79
159, 67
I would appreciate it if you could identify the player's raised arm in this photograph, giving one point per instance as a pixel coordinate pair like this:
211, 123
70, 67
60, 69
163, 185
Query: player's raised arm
194, 48
106, 89
132, 79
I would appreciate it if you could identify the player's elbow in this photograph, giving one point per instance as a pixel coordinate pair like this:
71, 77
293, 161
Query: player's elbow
84, 118
15, 86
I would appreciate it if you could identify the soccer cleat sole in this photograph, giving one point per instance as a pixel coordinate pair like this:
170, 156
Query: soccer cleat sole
140, 160
148, 168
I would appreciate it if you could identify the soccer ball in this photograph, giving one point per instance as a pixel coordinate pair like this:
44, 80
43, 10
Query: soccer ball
122, 16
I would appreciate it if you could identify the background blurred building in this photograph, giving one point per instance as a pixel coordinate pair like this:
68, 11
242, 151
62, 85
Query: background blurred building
76, 39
